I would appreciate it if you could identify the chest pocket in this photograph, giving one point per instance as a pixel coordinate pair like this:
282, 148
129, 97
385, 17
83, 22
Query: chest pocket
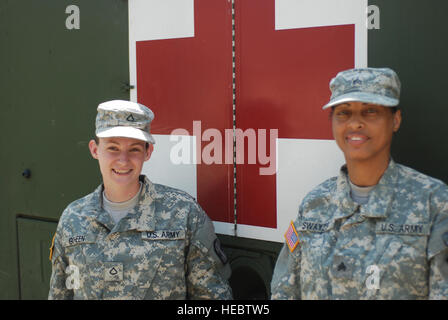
167, 245
402, 257
314, 235
78, 249
317, 239
398, 240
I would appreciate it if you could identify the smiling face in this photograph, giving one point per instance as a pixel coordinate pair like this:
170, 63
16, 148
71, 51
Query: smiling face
364, 131
121, 161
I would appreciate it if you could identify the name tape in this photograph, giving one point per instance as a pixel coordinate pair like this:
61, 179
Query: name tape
314, 226
79, 239
163, 235
411, 229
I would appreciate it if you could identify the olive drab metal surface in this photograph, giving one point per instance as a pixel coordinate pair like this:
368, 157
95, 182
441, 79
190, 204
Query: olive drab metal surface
418, 54
53, 77
34, 239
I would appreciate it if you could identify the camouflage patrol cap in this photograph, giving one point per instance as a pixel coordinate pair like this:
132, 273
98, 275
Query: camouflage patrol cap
120, 118
370, 85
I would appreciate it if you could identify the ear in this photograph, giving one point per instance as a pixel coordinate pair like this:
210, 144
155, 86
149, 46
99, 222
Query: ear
397, 120
149, 151
93, 147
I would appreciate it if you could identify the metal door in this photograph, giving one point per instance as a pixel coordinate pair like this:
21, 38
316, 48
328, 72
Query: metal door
52, 79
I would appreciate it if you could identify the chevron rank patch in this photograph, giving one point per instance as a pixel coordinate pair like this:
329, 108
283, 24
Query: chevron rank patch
291, 236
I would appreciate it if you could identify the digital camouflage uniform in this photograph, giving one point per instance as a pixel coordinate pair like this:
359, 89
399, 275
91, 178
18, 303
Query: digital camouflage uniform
165, 248
403, 230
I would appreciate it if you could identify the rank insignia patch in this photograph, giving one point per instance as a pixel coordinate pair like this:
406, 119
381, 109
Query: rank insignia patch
291, 236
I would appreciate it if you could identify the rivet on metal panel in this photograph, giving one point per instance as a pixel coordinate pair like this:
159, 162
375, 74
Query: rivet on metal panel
26, 173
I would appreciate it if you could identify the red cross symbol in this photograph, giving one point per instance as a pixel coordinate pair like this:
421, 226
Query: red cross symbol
281, 83
282, 78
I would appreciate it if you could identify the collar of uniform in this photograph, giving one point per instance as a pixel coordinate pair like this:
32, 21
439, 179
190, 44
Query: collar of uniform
380, 199
141, 218
96, 211
146, 206
341, 195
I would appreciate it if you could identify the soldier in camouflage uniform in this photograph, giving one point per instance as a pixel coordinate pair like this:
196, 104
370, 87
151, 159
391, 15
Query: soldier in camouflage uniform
377, 231
131, 238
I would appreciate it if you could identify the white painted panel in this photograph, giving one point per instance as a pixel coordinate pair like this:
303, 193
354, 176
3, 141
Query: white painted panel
295, 14
317, 13
160, 169
161, 19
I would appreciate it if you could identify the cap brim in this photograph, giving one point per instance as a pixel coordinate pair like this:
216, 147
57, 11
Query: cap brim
363, 97
125, 132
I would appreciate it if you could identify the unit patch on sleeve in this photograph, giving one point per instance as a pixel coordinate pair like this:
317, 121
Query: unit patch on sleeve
291, 236
219, 252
